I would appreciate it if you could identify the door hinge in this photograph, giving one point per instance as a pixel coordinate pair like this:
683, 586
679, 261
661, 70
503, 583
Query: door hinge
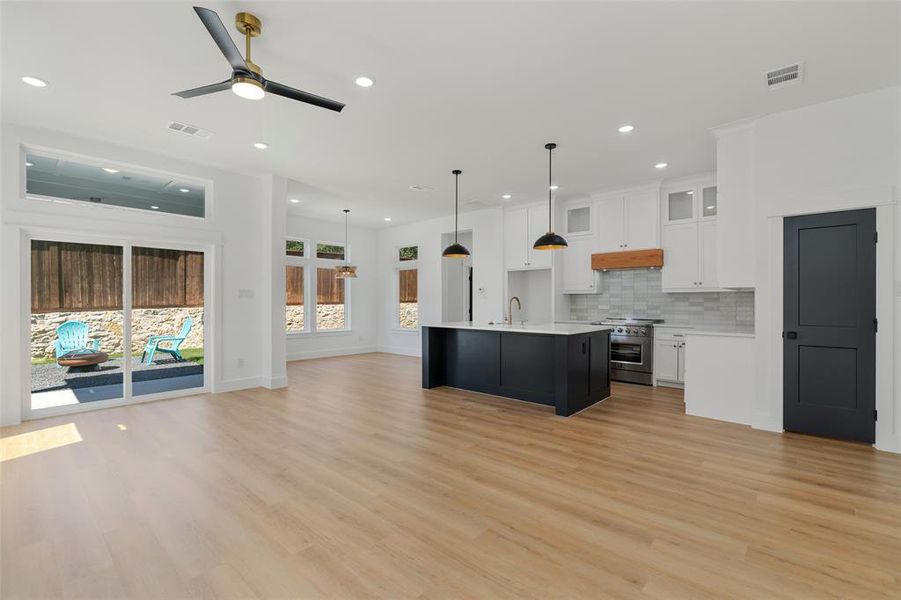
875, 415
876, 237
875, 324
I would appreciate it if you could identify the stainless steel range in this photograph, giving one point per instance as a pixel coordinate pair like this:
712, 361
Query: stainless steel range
631, 349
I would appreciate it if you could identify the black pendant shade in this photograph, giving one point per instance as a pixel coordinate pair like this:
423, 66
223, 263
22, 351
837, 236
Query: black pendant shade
550, 240
456, 250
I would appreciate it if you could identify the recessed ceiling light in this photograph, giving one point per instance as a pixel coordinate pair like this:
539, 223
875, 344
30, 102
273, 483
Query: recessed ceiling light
709, 207
109, 170
387, 219
260, 145
626, 128
294, 200
555, 187
506, 196
29, 164
34, 81
420, 188
690, 193
661, 165
184, 190
364, 81
154, 207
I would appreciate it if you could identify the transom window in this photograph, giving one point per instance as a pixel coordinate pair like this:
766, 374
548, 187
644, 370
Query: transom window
84, 181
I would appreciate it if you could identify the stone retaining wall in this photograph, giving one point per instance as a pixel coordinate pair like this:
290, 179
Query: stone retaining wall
107, 327
328, 316
409, 315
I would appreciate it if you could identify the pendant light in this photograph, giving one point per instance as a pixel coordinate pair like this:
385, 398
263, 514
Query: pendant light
345, 271
456, 250
550, 240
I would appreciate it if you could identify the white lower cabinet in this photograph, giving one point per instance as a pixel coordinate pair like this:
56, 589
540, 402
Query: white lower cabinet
578, 276
669, 357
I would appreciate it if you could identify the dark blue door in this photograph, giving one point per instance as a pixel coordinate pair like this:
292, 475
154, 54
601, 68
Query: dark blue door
830, 325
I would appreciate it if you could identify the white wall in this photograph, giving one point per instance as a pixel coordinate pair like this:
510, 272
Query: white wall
838, 155
364, 291
487, 269
231, 231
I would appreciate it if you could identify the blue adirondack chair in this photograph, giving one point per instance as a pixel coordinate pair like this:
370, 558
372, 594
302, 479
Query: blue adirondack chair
174, 341
73, 335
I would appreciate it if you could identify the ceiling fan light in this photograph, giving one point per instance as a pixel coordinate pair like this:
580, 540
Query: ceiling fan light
248, 88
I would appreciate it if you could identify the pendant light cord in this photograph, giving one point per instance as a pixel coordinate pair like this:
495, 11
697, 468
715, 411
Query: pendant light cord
346, 258
550, 179
456, 204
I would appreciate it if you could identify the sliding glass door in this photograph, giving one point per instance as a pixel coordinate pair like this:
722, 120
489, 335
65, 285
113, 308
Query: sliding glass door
166, 320
110, 323
77, 323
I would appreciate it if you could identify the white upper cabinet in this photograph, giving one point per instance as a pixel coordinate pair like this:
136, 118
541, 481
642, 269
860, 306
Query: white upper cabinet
538, 226
680, 258
689, 236
628, 220
641, 220
578, 277
516, 228
611, 217
578, 216
522, 226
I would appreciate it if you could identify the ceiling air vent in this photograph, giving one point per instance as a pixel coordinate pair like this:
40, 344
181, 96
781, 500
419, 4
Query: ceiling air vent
784, 76
191, 130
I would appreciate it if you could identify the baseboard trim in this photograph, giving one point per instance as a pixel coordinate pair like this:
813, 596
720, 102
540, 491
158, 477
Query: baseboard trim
331, 352
402, 351
233, 385
274, 383
892, 444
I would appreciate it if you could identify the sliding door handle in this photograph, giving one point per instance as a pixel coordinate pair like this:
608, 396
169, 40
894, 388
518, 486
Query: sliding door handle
791, 335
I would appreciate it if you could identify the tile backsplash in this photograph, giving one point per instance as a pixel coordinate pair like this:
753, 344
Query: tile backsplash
638, 293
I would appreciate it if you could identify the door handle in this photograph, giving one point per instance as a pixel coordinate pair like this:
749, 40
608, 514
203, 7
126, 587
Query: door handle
792, 335
583, 348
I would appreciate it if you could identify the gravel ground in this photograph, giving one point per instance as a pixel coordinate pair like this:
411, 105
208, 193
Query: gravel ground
48, 376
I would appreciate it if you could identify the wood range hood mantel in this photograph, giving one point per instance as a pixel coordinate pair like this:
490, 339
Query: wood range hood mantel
628, 259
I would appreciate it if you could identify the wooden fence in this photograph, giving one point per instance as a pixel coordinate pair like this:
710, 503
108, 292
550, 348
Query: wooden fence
409, 285
83, 277
329, 289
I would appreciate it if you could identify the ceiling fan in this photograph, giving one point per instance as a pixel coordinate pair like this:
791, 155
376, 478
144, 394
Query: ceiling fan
247, 79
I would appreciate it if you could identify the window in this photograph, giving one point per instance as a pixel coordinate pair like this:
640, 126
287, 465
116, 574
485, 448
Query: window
294, 316
408, 288
329, 251
294, 248
310, 281
84, 181
408, 253
330, 304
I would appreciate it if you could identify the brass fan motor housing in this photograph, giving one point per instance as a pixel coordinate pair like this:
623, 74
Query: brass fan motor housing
248, 23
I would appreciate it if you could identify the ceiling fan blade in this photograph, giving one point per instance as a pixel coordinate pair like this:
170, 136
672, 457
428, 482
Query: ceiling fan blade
294, 94
220, 35
203, 90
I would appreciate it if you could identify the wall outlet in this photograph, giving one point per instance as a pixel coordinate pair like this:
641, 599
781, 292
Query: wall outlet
240, 363
245, 293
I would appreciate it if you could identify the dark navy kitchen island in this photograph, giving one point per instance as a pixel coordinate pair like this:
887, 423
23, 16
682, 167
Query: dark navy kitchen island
563, 365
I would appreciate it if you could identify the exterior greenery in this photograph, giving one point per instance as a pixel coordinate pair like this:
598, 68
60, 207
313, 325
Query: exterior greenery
409, 253
294, 248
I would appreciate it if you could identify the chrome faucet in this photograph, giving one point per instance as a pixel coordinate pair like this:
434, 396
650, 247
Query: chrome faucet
509, 318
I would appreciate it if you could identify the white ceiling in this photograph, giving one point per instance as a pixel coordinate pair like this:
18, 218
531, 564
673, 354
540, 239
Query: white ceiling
475, 86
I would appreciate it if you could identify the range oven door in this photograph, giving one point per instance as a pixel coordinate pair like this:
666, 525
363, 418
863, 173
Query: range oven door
631, 353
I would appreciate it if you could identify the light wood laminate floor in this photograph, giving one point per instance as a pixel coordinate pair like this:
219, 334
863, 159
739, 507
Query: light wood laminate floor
356, 483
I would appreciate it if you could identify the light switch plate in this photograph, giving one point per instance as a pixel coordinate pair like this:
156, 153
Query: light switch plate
245, 293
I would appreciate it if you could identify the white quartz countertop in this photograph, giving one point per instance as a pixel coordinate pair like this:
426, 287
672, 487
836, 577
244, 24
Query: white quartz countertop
548, 328
702, 332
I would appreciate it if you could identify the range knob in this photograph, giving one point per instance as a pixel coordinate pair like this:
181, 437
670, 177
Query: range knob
619, 330
641, 331
628, 330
